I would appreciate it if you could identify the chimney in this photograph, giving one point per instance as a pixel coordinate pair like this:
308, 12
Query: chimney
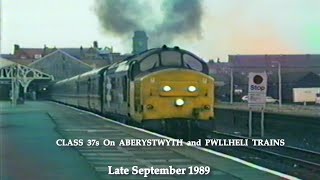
95, 44
139, 42
16, 49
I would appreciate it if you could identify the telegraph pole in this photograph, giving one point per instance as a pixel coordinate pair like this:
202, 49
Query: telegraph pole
231, 86
280, 83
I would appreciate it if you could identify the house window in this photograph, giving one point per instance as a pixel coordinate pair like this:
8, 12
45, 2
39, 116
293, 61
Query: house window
37, 56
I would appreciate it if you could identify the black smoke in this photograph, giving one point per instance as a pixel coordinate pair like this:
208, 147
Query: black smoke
181, 18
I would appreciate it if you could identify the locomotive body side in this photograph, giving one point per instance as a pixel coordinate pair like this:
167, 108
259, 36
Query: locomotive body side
115, 90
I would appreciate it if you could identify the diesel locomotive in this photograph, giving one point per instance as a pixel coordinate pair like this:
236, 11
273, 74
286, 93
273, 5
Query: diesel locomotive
161, 89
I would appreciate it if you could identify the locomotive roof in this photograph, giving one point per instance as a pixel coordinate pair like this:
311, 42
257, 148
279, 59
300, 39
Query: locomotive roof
142, 55
89, 73
124, 64
65, 80
94, 71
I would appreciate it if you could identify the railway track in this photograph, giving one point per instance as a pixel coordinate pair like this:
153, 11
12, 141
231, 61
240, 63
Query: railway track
293, 160
306, 157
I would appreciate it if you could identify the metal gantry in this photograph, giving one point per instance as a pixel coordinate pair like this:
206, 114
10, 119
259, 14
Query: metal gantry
19, 75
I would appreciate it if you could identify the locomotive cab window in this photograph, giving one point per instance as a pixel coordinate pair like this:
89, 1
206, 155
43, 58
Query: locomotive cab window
150, 62
170, 58
192, 63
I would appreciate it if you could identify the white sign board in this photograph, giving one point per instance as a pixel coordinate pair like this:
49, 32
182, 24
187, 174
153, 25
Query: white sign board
305, 94
257, 90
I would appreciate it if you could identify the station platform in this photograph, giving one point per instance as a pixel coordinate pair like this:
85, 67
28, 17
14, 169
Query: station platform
29, 132
286, 109
28, 149
298, 125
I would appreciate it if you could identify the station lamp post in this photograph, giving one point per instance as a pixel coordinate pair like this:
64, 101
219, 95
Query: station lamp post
279, 80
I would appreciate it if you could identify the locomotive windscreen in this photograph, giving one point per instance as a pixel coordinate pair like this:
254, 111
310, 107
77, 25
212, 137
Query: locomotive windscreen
171, 59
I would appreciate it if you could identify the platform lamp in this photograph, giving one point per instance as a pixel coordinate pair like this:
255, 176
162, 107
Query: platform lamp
279, 80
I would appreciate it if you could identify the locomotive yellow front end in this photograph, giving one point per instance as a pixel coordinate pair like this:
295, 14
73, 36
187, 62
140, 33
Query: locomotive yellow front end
189, 95
171, 87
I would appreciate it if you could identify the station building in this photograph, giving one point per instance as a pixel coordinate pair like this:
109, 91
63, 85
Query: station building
63, 63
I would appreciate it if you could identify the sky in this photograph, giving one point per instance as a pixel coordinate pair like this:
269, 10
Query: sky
227, 27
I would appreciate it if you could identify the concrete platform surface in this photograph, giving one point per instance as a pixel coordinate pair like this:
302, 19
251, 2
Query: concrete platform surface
285, 109
28, 148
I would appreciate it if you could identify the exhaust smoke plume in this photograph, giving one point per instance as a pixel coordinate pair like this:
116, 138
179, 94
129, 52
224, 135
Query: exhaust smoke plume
177, 18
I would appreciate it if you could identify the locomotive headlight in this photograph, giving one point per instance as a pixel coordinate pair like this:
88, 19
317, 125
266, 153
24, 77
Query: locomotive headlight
166, 88
207, 107
192, 89
179, 102
149, 106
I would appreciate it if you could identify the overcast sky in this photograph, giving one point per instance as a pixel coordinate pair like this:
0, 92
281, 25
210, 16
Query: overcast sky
228, 27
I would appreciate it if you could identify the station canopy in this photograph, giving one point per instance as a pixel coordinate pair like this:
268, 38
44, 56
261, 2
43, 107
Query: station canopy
23, 74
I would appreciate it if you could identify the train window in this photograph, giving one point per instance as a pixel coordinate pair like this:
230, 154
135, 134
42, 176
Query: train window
149, 62
113, 89
77, 82
113, 83
83, 87
192, 63
93, 81
89, 86
171, 58
119, 82
124, 88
